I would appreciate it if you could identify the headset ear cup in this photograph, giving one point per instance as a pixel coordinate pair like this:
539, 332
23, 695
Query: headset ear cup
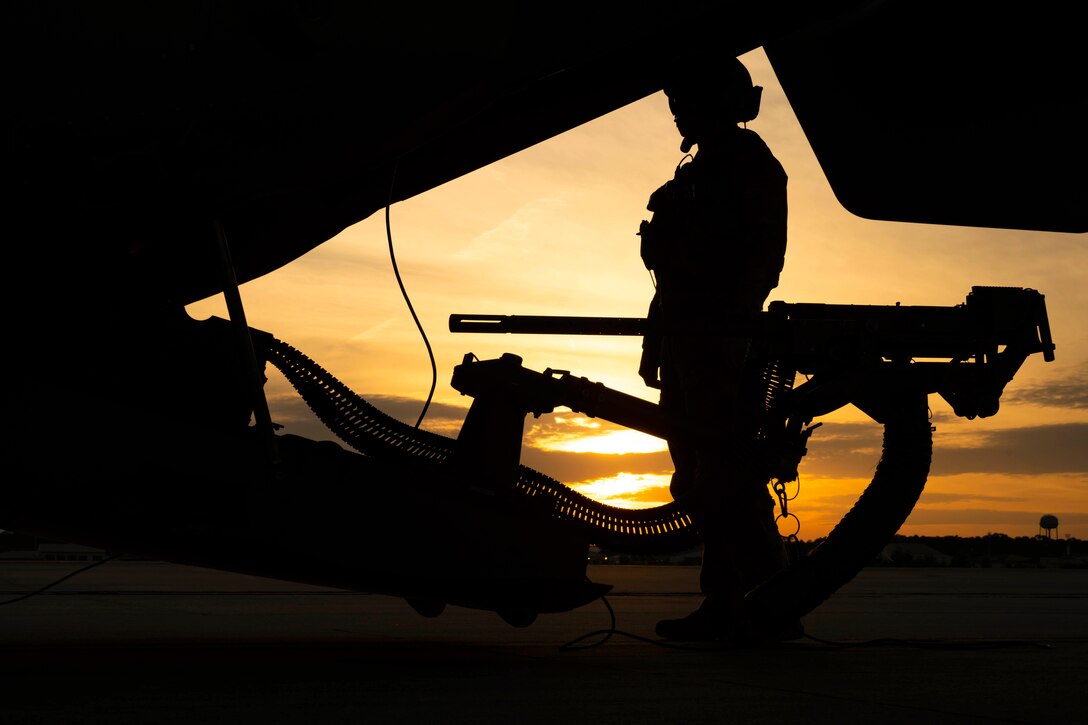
751, 104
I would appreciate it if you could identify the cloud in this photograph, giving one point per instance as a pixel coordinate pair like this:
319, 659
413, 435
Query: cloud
851, 450
928, 498
297, 419
574, 467
292, 412
1059, 448
565, 425
940, 497
407, 410
843, 450
1072, 392
577, 433
378, 331
923, 515
628, 490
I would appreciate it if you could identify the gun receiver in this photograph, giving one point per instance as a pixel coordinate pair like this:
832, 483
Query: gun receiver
991, 319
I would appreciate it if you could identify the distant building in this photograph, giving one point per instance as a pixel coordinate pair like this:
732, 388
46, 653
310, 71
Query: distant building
692, 557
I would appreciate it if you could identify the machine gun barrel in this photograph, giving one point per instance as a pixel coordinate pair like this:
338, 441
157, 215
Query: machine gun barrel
548, 325
560, 325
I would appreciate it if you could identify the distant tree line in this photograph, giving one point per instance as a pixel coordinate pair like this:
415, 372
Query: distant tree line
991, 550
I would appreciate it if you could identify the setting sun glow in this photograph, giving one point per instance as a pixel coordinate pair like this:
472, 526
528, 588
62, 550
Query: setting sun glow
627, 490
614, 442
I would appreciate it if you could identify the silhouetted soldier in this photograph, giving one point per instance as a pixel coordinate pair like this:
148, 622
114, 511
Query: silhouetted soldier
716, 245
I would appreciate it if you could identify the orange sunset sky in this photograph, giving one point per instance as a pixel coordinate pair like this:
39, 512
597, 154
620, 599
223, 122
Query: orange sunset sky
551, 231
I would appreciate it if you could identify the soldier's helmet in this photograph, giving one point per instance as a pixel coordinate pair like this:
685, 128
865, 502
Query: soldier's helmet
721, 86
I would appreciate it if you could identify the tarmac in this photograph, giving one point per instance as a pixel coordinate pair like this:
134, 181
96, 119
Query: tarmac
149, 642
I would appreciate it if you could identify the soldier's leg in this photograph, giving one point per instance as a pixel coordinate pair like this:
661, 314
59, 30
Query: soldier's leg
674, 404
704, 371
753, 542
733, 509
713, 405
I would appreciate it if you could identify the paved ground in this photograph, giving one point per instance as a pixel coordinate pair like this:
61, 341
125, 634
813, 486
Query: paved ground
139, 642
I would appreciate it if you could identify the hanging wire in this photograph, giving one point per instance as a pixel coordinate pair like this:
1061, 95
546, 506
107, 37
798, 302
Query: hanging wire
407, 300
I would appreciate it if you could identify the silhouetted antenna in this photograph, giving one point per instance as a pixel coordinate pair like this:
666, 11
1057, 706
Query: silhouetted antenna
262, 417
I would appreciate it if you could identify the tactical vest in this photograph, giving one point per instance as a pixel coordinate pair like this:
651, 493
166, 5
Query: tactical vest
716, 241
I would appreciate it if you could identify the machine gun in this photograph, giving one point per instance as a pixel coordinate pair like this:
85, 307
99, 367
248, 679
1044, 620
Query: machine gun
859, 354
967, 353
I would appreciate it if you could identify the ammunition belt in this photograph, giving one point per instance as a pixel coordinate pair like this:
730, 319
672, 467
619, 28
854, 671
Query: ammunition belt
659, 529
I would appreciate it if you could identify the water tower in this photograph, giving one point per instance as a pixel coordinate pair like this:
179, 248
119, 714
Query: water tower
1049, 526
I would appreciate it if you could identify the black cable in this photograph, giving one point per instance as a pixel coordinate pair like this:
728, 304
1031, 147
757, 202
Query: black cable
574, 644
62, 579
404, 294
607, 634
